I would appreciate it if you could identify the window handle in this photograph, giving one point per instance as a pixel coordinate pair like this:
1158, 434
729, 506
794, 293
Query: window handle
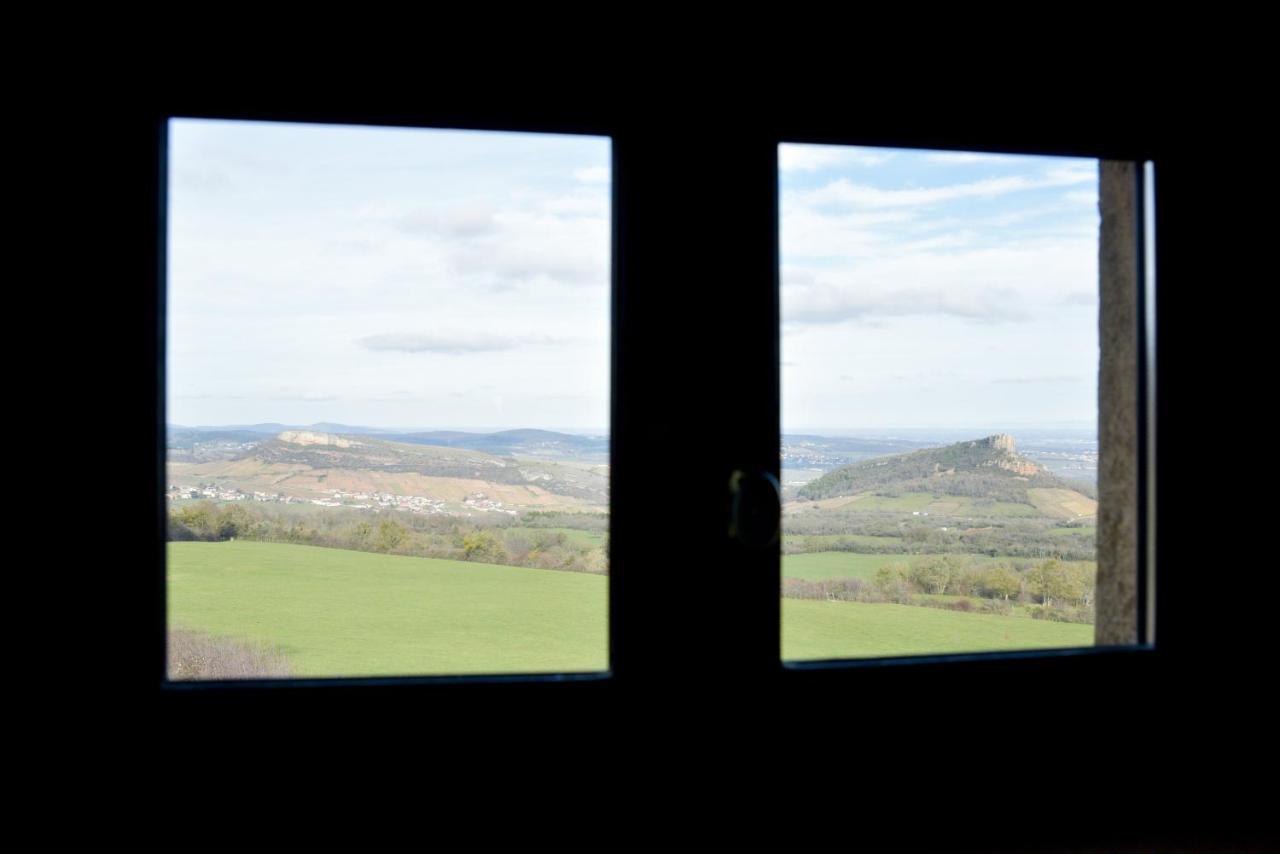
755, 508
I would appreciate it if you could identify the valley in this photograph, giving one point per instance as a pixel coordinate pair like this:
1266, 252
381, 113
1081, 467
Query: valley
929, 542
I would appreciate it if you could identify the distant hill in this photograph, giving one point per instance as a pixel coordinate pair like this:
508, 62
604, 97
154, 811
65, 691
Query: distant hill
306, 463
183, 438
185, 444
516, 443
539, 444
271, 428
988, 468
802, 450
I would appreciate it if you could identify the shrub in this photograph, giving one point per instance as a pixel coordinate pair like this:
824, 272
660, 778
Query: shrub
842, 589
1059, 614
193, 655
997, 606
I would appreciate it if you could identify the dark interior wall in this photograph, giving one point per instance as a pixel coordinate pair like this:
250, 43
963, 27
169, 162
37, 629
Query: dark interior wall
1083, 735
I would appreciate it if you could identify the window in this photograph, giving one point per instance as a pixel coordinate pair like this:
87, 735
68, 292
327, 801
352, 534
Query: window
950, 350
387, 396
695, 346
1012, 747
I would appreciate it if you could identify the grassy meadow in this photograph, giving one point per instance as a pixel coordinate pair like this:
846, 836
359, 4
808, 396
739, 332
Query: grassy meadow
920, 502
573, 536
334, 612
819, 542
817, 630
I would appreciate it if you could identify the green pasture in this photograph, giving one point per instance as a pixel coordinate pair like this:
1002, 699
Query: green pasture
345, 613
816, 630
822, 566
819, 542
1084, 533
936, 505
573, 536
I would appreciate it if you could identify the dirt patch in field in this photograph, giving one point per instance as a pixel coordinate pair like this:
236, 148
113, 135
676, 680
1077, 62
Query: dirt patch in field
305, 482
1063, 503
824, 503
441, 488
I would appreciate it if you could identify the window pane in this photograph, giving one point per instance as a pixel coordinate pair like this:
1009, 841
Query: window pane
387, 401
940, 349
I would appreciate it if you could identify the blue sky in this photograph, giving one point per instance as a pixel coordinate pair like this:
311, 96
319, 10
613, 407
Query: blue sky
387, 277
424, 278
937, 289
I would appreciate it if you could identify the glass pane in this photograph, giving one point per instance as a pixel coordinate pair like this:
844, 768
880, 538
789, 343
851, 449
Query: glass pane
940, 348
387, 400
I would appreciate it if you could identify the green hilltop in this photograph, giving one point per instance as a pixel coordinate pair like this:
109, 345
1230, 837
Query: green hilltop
988, 468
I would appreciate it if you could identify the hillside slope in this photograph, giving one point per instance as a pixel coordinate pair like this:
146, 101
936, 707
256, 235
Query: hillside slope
307, 462
988, 468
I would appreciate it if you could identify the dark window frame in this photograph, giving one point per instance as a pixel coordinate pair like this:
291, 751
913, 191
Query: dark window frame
648, 175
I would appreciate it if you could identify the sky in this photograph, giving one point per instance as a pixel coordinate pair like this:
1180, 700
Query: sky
410, 278
937, 289
387, 277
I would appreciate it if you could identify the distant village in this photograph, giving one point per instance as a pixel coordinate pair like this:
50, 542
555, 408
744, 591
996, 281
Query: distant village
337, 498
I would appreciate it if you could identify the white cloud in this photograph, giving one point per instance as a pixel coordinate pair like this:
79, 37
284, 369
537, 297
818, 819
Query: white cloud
342, 276
463, 222
961, 158
843, 193
1085, 298
450, 343
831, 303
1039, 380
949, 299
810, 158
570, 250
592, 175
304, 396
809, 232
209, 179
1082, 197
981, 284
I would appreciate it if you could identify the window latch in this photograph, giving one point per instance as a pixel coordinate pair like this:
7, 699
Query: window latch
755, 508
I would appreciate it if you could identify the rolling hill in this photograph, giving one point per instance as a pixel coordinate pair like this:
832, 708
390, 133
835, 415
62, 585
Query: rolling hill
311, 464
541, 444
987, 468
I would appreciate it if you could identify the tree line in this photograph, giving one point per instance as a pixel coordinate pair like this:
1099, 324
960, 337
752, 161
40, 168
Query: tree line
392, 532
1050, 589
997, 538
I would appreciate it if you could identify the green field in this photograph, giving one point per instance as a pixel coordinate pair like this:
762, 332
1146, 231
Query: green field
820, 542
817, 630
937, 505
1086, 533
573, 536
821, 566
347, 613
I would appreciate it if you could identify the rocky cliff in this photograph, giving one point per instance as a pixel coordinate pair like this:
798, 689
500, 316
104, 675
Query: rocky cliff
980, 463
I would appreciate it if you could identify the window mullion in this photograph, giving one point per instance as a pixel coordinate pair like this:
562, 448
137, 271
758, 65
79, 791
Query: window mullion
695, 399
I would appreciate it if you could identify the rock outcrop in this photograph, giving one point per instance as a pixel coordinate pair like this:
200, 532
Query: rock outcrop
310, 437
963, 461
1006, 456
